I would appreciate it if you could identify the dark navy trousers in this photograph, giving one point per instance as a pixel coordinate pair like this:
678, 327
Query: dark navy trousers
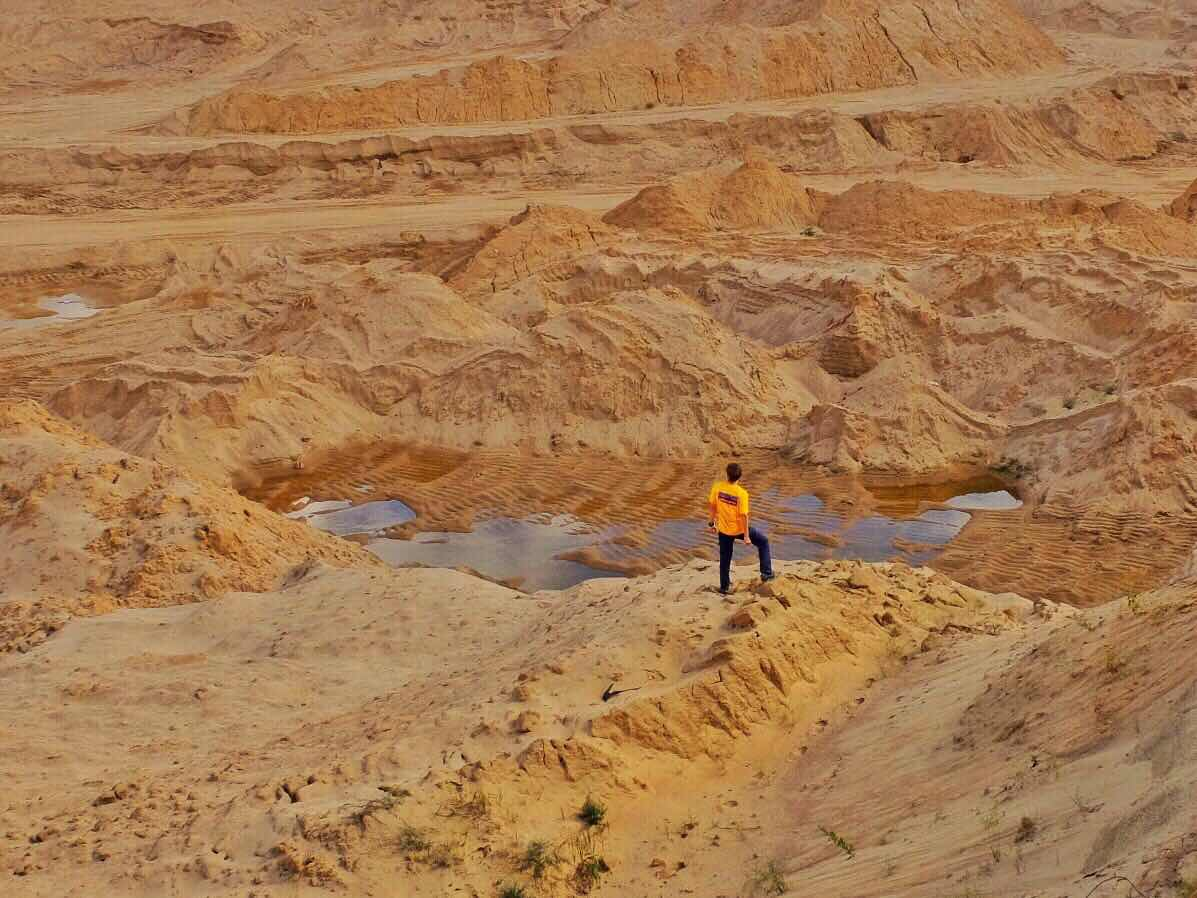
727, 543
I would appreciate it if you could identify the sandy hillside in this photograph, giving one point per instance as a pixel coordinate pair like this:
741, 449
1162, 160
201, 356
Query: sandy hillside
744, 53
448, 725
88, 528
562, 260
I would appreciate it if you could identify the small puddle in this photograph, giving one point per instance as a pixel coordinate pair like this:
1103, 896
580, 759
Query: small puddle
876, 537
803, 528
71, 307
507, 549
343, 518
503, 548
999, 500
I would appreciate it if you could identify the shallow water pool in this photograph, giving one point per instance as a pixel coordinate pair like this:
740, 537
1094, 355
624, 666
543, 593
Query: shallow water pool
71, 307
998, 500
803, 528
591, 525
507, 549
528, 550
344, 518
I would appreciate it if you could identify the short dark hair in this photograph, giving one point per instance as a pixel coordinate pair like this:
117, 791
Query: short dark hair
733, 472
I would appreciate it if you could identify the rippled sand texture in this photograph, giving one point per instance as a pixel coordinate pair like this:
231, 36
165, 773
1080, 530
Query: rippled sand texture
658, 507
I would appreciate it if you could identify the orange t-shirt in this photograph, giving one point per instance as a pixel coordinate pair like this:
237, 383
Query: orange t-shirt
730, 504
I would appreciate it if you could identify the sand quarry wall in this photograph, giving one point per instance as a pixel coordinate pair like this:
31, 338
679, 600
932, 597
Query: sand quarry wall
852, 46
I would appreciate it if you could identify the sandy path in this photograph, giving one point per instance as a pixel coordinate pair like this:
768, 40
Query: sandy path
379, 73
386, 215
264, 222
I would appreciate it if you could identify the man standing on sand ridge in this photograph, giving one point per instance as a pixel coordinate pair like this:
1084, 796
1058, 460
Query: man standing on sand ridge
728, 504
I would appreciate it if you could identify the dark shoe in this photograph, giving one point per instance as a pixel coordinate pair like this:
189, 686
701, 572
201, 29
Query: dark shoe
765, 578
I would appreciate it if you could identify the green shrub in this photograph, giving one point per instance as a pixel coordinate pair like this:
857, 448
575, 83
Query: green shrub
538, 857
588, 873
585, 853
1026, 830
593, 813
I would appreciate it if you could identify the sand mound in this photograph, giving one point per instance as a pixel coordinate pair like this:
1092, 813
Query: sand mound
535, 241
630, 358
377, 315
290, 64
1120, 119
1185, 206
271, 410
469, 721
275, 43
759, 196
502, 89
1135, 227
1152, 468
1098, 122
1114, 686
417, 726
89, 528
278, 370
1072, 15
1141, 19
962, 134
910, 428
896, 207
68, 51
294, 359
926, 37
1124, 663
755, 196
